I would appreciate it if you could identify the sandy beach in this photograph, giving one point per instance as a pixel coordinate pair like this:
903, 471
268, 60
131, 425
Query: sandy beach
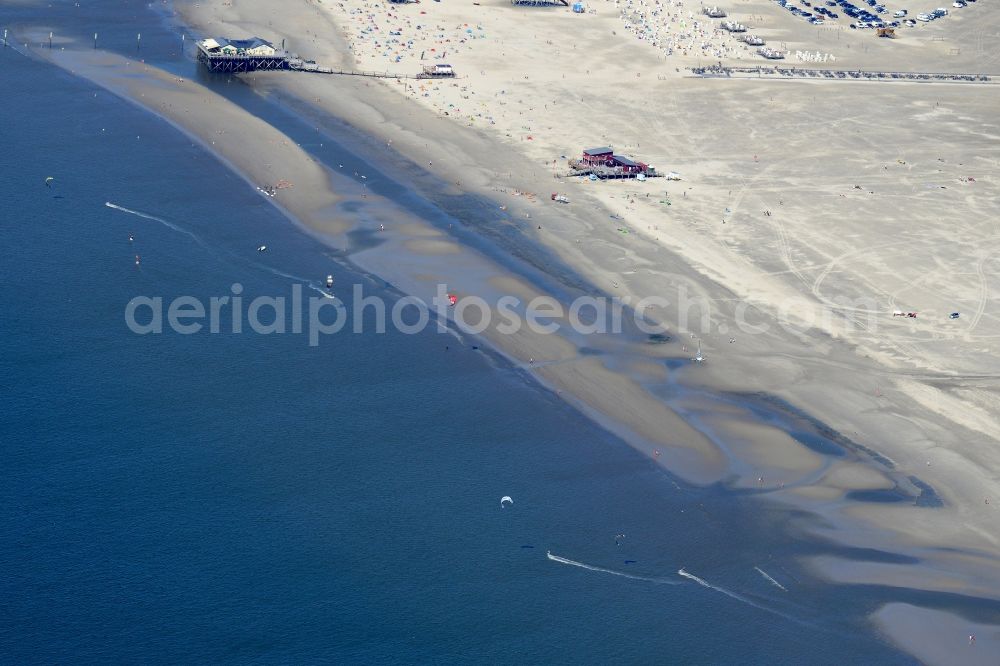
812, 209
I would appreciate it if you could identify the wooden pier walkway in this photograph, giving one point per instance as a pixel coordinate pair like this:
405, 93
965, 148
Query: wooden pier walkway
297, 65
241, 64
258, 55
604, 173
715, 72
312, 68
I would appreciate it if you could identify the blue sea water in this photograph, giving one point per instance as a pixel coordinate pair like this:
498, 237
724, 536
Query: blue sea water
235, 498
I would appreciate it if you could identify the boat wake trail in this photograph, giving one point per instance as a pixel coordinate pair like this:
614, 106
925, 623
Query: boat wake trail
684, 574
315, 286
147, 216
738, 597
321, 291
770, 580
591, 567
275, 271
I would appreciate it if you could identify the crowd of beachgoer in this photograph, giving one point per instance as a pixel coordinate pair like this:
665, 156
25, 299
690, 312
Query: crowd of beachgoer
381, 31
674, 29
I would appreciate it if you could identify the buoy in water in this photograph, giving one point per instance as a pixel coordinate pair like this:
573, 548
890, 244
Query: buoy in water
452, 298
136, 260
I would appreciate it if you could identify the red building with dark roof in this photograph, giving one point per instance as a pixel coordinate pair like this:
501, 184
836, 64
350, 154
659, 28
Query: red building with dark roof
605, 157
597, 156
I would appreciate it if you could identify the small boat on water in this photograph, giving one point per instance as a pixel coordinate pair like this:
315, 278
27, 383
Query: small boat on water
329, 282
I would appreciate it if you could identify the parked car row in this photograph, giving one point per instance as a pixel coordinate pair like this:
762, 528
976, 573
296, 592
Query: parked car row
819, 13
866, 16
814, 18
940, 12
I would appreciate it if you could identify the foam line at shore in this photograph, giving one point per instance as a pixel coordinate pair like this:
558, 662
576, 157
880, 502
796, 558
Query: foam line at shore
770, 579
591, 567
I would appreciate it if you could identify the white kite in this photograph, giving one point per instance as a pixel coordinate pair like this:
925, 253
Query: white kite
505, 498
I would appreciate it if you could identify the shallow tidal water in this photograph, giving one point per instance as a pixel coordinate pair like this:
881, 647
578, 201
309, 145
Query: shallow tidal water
224, 497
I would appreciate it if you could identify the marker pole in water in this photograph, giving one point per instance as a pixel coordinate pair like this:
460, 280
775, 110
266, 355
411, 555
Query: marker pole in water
5, 37
50, 41
138, 40
95, 40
